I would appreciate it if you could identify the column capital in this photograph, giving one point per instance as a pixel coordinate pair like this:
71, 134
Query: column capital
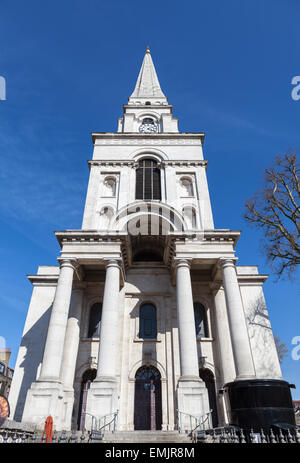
112, 263
63, 262
227, 261
182, 263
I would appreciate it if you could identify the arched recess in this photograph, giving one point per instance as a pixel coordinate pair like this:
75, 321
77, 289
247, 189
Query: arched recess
149, 113
186, 186
135, 367
109, 186
209, 379
147, 399
190, 216
150, 152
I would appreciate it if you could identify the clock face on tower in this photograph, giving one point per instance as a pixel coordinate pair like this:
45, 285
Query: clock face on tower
148, 126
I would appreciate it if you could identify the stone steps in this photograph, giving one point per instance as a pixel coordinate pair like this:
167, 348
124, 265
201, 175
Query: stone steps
145, 437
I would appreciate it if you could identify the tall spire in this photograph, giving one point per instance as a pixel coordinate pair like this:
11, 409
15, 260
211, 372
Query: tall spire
147, 84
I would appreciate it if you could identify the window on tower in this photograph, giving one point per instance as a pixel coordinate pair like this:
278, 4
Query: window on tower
95, 320
200, 320
148, 180
148, 328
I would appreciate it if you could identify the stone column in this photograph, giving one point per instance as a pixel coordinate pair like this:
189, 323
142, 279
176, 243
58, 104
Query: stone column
72, 340
192, 395
68, 366
237, 322
186, 321
227, 367
45, 396
226, 359
103, 394
109, 335
53, 352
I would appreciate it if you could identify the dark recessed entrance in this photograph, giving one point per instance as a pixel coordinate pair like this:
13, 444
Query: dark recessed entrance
207, 376
147, 399
87, 378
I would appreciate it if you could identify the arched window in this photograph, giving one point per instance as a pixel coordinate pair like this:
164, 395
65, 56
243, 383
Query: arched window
147, 180
186, 187
95, 320
148, 329
200, 320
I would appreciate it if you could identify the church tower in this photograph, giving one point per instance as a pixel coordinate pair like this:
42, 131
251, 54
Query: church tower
148, 314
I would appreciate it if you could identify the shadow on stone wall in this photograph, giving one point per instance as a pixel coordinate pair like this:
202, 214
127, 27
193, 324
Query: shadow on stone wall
261, 337
34, 342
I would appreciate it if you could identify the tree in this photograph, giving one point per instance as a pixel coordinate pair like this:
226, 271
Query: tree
281, 349
276, 210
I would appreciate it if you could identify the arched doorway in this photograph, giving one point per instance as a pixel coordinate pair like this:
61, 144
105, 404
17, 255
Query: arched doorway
208, 377
87, 378
147, 399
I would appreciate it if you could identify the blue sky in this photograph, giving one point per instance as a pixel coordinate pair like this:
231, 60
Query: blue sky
71, 65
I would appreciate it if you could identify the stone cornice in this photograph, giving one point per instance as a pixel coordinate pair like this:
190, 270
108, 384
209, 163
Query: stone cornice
131, 163
43, 280
121, 138
208, 235
89, 236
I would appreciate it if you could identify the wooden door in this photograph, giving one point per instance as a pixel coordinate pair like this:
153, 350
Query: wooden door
147, 400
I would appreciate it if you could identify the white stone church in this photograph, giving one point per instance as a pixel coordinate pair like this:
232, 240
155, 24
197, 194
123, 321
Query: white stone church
147, 313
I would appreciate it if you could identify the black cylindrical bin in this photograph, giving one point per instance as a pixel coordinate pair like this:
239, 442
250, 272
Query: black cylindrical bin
259, 403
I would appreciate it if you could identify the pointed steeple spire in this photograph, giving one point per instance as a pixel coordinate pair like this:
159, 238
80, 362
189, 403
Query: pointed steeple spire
147, 84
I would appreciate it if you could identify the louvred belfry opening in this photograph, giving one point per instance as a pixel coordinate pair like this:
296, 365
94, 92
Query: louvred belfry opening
148, 180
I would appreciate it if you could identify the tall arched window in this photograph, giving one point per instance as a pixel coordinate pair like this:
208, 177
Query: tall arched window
200, 320
147, 180
95, 320
148, 328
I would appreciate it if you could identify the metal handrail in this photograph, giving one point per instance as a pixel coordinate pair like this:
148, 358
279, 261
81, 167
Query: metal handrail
199, 421
96, 422
114, 420
208, 415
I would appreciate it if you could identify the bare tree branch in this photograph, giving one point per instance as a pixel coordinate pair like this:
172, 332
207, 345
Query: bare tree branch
276, 209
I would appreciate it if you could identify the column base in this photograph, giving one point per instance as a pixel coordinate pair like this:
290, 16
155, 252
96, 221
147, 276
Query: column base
192, 399
68, 405
44, 398
102, 399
